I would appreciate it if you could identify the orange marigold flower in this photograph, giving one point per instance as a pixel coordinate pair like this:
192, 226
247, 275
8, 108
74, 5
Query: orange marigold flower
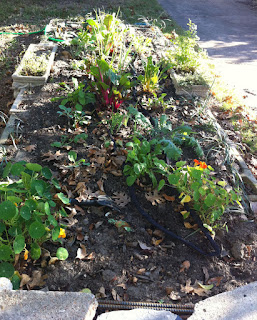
62, 233
203, 165
26, 254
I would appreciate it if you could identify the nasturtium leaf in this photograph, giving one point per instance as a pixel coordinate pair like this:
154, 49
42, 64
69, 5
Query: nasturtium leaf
196, 195
26, 179
7, 170
52, 220
196, 173
173, 178
7, 210
5, 252
25, 212
46, 172
186, 199
6, 270
130, 180
17, 169
14, 199
195, 185
35, 251
2, 227
62, 254
32, 204
202, 191
180, 164
47, 208
34, 167
38, 186
37, 230
14, 231
18, 244
222, 183
55, 233
16, 282
210, 200
63, 198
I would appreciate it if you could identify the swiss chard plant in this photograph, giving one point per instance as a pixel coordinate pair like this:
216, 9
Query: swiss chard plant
28, 213
154, 72
110, 88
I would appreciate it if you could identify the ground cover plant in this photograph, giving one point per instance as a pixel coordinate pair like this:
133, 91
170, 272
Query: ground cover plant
105, 122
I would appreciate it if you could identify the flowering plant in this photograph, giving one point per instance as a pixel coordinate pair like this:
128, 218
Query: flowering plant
202, 191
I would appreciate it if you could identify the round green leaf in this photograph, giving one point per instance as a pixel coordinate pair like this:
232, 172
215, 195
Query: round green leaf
18, 244
173, 178
5, 252
36, 230
62, 254
210, 200
137, 168
2, 227
25, 212
7, 210
35, 251
17, 169
34, 167
15, 282
14, 199
14, 231
55, 233
32, 204
62, 197
7, 170
38, 186
6, 270
46, 172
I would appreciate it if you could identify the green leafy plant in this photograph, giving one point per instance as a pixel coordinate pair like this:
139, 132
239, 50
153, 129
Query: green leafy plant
110, 88
28, 212
34, 65
186, 56
72, 156
202, 191
143, 158
66, 141
153, 73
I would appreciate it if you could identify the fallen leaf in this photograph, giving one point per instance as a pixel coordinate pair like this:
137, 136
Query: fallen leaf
53, 157
141, 271
25, 279
81, 252
154, 197
190, 226
158, 233
197, 288
184, 266
52, 260
206, 274
115, 296
174, 296
38, 279
91, 256
168, 198
121, 199
143, 246
215, 281
30, 148
102, 292
156, 242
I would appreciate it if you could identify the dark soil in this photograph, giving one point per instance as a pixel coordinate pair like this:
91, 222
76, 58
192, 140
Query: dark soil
142, 264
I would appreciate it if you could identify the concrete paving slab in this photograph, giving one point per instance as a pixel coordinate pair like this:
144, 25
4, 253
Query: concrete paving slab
227, 30
239, 304
138, 314
39, 305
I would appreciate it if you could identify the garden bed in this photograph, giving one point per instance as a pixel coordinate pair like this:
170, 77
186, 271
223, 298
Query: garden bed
118, 254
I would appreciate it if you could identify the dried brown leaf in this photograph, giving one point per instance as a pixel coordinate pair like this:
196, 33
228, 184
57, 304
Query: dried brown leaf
121, 199
81, 252
154, 197
184, 266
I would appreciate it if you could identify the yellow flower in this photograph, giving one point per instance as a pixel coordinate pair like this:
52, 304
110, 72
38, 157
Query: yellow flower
26, 254
62, 233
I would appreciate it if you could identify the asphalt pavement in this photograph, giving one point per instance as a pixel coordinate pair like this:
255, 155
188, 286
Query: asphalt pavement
228, 30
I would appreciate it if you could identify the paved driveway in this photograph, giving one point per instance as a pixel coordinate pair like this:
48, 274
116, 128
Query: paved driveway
228, 30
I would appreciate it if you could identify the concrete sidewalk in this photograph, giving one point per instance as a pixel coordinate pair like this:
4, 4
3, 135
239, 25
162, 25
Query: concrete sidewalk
228, 30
